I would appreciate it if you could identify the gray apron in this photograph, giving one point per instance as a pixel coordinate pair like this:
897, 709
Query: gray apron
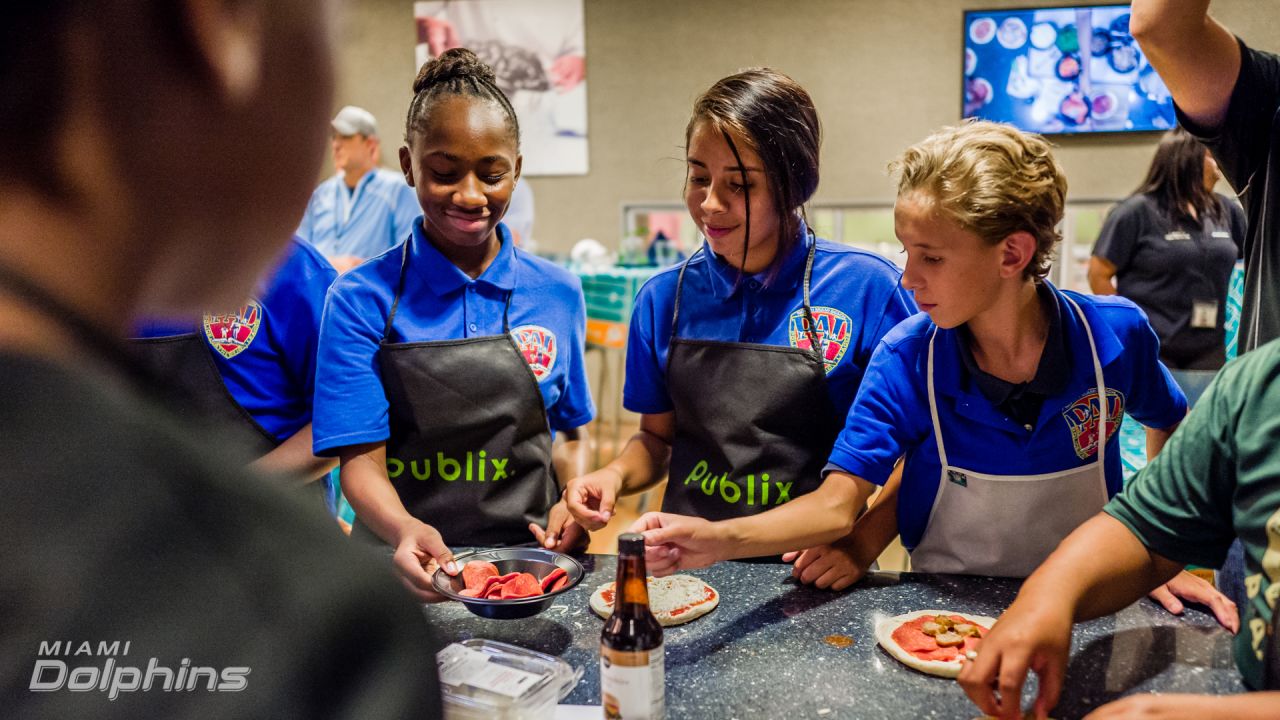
1006, 525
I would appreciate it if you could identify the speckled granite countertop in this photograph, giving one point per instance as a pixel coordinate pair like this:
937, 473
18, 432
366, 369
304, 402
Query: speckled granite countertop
764, 653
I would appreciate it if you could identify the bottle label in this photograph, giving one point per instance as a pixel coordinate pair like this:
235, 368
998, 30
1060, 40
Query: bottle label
632, 685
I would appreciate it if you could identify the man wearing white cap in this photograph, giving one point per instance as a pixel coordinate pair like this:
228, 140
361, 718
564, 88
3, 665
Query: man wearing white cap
363, 209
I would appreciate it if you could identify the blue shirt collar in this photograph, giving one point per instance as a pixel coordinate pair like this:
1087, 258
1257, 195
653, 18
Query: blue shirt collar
724, 276
442, 277
952, 374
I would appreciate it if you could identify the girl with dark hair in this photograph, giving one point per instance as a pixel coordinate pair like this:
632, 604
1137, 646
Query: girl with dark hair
1170, 248
448, 362
743, 360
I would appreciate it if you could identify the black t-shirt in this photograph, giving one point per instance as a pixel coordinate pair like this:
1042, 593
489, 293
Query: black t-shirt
1167, 266
139, 557
1247, 148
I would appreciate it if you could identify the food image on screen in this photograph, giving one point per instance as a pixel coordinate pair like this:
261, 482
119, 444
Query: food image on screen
981, 30
1124, 59
1061, 70
1104, 105
977, 92
1012, 33
1043, 35
1069, 67
1075, 108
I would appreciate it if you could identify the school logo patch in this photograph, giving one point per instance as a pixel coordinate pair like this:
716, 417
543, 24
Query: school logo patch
230, 335
1082, 419
539, 348
832, 327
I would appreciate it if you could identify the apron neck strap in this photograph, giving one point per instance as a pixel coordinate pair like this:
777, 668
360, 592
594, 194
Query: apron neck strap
933, 403
1099, 382
810, 326
395, 302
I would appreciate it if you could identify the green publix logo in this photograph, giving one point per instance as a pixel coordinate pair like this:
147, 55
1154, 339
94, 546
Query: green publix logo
475, 467
63, 665
742, 490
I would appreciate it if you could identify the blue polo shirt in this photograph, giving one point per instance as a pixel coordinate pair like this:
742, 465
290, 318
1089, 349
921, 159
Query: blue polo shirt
855, 297
441, 302
378, 214
269, 362
890, 416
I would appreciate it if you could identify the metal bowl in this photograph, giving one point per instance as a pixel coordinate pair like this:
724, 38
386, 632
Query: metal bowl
535, 561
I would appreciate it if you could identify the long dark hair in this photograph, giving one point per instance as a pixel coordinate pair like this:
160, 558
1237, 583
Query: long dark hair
1176, 180
776, 117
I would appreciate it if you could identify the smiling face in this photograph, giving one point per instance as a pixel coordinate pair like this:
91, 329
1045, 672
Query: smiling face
463, 167
717, 199
953, 274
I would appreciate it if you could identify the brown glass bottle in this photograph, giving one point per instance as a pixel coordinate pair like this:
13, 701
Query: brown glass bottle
631, 650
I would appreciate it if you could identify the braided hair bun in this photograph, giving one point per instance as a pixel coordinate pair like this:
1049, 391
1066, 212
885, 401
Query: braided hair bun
454, 63
455, 72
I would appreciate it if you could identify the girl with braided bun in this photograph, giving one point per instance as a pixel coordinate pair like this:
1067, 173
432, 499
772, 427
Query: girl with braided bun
448, 363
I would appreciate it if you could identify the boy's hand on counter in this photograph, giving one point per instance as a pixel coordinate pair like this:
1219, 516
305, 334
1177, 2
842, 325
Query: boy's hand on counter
1033, 634
591, 497
563, 533
420, 551
834, 567
1185, 586
679, 542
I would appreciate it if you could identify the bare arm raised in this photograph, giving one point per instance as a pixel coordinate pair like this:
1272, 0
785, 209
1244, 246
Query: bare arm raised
1198, 58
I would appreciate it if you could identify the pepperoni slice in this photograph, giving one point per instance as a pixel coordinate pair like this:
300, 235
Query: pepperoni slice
493, 585
476, 572
522, 586
564, 580
549, 582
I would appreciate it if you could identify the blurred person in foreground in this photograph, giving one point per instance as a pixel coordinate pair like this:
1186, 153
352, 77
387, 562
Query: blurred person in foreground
146, 572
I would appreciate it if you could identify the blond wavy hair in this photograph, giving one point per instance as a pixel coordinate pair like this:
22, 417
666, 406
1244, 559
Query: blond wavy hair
992, 180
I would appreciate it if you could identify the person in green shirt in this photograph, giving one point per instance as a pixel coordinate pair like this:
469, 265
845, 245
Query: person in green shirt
1217, 478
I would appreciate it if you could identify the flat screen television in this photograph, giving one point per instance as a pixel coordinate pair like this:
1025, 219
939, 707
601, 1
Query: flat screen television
1061, 70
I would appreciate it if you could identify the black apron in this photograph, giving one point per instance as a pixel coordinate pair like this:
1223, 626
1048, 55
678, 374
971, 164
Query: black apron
195, 384
470, 448
754, 423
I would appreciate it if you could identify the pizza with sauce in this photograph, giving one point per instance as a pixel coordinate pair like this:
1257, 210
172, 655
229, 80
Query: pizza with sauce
674, 600
932, 641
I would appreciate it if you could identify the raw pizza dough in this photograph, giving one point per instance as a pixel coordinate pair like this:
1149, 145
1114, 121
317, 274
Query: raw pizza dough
946, 669
674, 600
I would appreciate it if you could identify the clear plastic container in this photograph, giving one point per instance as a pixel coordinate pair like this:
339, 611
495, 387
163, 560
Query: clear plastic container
483, 679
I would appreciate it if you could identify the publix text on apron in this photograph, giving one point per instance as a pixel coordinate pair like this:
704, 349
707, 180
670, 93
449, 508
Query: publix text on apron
470, 448
754, 422
1006, 525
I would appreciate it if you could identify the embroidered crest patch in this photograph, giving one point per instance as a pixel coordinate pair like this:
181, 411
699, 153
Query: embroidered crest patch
832, 328
1082, 419
539, 348
230, 335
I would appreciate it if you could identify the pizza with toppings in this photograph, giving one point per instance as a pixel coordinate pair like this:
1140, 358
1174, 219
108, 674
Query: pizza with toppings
932, 641
674, 600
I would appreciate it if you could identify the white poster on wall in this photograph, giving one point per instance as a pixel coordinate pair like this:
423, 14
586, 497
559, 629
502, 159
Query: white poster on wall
538, 52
